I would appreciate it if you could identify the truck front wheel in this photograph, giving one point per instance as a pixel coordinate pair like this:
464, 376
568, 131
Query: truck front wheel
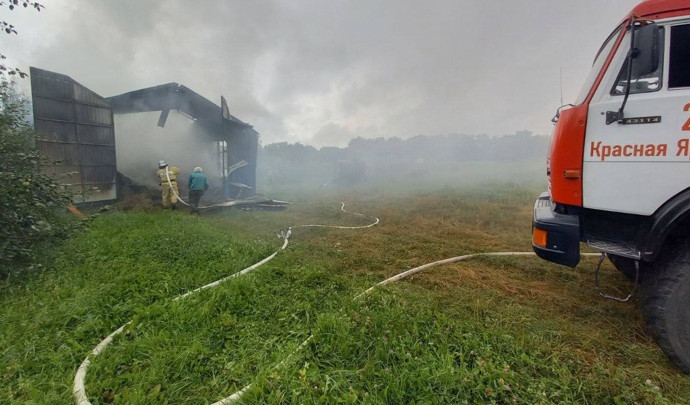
666, 297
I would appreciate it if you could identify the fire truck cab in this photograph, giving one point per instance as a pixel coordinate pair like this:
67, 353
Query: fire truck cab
619, 168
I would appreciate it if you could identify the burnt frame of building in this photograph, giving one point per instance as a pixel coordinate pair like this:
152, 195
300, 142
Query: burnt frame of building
77, 134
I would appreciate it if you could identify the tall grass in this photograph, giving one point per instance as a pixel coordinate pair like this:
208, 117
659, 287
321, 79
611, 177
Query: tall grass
99, 281
490, 330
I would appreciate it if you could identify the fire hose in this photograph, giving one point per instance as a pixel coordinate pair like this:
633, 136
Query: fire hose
167, 176
79, 388
231, 169
237, 395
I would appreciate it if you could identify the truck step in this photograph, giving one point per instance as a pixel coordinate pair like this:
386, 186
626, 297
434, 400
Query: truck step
616, 248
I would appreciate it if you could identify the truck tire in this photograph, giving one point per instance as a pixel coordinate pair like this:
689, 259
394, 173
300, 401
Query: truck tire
666, 300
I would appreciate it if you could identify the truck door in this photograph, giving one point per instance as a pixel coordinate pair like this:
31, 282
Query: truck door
636, 164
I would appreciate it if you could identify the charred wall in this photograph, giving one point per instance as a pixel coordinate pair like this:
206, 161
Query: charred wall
76, 134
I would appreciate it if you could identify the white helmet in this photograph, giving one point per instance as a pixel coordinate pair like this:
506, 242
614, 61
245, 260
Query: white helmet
162, 164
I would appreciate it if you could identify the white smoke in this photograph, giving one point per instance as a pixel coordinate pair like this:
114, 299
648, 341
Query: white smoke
140, 144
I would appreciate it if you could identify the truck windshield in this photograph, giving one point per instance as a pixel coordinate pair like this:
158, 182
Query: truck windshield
599, 60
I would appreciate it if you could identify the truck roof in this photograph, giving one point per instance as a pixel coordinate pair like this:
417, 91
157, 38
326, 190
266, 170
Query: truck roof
655, 9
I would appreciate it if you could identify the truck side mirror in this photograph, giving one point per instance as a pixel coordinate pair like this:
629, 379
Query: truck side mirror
642, 60
646, 50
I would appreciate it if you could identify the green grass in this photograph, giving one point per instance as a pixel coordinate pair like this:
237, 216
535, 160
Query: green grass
215, 342
402, 348
100, 279
495, 329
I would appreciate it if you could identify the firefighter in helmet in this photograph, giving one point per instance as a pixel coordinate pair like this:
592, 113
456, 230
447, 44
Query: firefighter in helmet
168, 176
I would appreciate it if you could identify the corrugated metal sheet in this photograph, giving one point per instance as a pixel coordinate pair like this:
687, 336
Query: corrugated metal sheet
76, 135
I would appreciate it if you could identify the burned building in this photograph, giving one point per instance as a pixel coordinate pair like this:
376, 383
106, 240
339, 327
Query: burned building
232, 142
78, 134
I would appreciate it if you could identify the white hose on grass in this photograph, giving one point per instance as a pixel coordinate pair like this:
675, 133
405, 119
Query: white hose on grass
342, 208
237, 395
79, 390
79, 387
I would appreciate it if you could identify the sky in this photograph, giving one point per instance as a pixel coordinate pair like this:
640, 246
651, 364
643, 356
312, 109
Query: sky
322, 72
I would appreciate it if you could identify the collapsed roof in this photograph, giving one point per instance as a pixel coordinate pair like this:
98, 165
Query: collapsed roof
174, 96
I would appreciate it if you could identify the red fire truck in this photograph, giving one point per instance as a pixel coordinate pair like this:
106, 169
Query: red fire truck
619, 168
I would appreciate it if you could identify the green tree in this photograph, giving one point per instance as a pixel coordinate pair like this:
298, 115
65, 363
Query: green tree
10, 29
31, 203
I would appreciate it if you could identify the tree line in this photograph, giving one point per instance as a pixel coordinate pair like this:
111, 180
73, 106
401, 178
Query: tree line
379, 158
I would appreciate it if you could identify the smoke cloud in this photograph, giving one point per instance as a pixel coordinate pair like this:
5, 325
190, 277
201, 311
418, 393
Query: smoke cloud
318, 72
140, 144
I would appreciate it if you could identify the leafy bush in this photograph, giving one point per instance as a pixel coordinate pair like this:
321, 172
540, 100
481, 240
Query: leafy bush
30, 201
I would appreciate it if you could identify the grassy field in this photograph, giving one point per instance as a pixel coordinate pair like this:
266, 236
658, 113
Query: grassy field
504, 330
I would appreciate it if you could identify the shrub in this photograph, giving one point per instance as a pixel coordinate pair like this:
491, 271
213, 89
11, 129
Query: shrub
31, 203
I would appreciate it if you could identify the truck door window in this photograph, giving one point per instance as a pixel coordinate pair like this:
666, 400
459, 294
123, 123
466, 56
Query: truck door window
599, 60
679, 57
640, 84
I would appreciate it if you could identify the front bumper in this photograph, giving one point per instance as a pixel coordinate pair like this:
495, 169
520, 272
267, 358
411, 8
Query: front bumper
555, 237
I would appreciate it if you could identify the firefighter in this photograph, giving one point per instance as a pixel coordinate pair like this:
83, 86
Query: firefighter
169, 196
197, 185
